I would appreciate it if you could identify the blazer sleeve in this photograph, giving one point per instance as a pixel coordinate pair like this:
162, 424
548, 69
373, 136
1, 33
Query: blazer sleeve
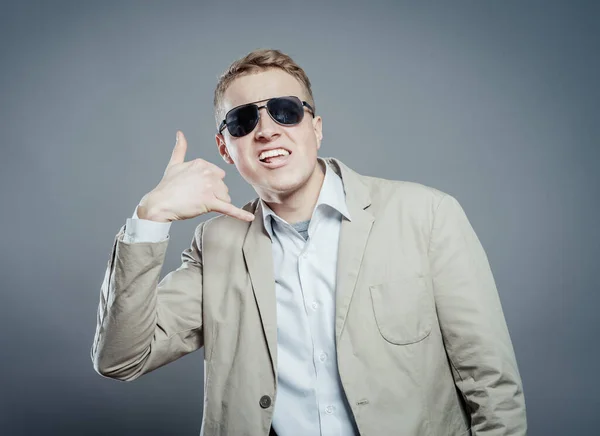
143, 324
472, 322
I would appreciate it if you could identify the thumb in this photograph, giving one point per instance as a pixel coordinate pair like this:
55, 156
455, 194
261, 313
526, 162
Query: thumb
178, 155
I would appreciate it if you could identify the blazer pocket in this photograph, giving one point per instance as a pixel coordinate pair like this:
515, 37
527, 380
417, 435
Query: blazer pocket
403, 310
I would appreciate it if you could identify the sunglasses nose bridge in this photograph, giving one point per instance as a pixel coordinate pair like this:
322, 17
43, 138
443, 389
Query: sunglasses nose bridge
262, 118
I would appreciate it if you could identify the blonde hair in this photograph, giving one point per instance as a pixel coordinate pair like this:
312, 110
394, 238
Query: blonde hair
255, 62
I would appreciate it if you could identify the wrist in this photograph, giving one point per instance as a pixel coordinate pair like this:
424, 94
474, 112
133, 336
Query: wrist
150, 210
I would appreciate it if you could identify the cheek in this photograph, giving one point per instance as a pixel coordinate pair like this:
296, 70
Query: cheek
240, 151
307, 138
311, 141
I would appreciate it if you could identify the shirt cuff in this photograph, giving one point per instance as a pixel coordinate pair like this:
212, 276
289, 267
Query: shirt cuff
139, 230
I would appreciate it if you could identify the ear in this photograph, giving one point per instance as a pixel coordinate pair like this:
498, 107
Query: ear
222, 147
317, 123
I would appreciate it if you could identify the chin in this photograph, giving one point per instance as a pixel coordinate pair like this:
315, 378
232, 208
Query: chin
285, 186
284, 183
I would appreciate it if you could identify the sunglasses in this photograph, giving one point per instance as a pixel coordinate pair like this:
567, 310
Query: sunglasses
287, 111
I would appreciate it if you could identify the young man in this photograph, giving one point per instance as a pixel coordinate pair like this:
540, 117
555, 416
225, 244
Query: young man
334, 304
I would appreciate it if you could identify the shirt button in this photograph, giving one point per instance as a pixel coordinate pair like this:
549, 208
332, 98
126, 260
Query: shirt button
329, 410
304, 255
265, 401
314, 305
322, 357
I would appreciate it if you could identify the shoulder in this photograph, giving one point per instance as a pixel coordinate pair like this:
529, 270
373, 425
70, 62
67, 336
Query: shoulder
412, 197
402, 189
384, 192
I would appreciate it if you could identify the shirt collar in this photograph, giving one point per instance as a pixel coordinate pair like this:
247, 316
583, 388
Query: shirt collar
332, 194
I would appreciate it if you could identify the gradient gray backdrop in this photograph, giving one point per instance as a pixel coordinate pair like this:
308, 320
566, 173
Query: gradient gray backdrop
494, 102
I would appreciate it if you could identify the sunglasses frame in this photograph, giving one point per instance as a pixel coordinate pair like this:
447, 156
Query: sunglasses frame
258, 108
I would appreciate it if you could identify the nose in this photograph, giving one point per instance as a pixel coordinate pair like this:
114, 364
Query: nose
266, 129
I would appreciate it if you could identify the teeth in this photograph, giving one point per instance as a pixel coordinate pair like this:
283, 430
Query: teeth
273, 153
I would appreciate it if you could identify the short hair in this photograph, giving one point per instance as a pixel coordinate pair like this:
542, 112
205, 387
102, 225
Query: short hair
255, 62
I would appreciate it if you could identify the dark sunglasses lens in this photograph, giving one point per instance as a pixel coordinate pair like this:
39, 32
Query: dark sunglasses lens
242, 120
285, 110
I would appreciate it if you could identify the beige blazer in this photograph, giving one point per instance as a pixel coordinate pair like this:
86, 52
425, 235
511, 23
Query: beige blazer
421, 339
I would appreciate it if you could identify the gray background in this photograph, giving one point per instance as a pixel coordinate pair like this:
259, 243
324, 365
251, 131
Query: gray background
494, 102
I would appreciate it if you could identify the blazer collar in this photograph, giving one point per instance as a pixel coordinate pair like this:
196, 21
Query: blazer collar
357, 192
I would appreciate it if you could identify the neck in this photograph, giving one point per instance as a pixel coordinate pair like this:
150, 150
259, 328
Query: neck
298, 205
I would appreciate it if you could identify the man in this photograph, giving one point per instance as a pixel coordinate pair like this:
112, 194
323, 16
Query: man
334, 304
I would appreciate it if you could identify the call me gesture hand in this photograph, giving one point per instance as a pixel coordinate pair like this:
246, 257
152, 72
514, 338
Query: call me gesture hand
189, 189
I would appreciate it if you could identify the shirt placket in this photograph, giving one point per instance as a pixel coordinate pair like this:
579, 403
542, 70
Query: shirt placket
307, 267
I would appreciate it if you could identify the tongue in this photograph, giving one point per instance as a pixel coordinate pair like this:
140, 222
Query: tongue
273, 159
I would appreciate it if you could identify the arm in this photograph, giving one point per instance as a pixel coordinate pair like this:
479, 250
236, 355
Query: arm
475, 334
143, 324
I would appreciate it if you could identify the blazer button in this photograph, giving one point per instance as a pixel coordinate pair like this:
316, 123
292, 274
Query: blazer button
265, 401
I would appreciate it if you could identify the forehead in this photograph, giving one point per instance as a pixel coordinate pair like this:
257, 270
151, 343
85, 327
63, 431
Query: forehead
261, 86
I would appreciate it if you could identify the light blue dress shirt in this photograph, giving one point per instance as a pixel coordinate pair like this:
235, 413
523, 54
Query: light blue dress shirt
310, 399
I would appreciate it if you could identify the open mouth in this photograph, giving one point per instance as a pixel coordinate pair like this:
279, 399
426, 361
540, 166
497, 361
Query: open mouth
278, 155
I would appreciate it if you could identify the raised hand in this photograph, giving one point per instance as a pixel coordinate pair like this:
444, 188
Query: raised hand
189, 189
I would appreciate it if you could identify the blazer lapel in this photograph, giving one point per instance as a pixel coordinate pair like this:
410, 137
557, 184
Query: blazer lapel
353, 240
258, 255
